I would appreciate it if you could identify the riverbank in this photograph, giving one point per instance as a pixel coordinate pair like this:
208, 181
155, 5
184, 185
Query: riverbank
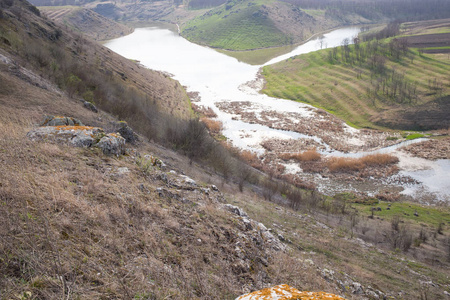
228, 91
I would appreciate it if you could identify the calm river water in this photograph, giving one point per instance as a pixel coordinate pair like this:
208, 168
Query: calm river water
220, 78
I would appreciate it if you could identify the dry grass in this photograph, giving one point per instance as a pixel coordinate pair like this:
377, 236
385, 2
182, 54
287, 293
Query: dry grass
346, 164
308, 155
203, 111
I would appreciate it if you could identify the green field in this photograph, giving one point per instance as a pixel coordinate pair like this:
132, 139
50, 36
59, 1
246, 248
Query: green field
426, 215
353, 91
236, 25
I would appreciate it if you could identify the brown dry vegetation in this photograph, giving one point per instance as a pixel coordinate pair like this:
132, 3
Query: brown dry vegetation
308, 155
214, 127
203, 111
345, 164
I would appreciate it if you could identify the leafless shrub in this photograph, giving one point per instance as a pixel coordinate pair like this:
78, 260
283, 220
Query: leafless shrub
213, 126
207, 112
250, 158
270, 188
399, 237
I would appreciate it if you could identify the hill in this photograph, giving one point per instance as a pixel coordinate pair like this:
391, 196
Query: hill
245, 25
76, 223
382, 83
86, 21
255, 24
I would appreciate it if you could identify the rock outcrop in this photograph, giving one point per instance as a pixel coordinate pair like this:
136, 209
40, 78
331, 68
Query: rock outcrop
60, 121
90, 106
77, 136
73, 132
112, 144
256, 231
285, 292
126, 132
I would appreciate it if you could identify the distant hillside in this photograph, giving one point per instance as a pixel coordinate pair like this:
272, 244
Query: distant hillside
382, 83
87, 21
253, 24
244, 25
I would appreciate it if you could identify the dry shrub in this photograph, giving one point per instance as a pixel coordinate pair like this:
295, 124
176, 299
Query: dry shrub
212, 125
342, 164
308, 155
205, 111
388, 196
298, 182
250, 157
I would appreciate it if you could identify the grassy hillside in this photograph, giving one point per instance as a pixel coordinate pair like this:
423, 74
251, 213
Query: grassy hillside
237, 25
369, 85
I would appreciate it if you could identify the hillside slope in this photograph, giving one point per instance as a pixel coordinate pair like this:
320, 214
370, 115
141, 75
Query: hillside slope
245, 25
386, 83
78, 224
93, 25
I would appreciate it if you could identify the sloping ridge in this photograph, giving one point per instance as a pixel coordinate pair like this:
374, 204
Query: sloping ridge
86, 21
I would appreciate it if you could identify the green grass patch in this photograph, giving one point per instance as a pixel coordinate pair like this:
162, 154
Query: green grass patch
427, 215
236, 25
436, 48
414, 136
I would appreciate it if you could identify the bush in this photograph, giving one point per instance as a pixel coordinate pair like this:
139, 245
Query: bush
213, 126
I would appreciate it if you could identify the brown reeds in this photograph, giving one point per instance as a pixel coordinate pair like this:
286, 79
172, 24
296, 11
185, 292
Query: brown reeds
343, 164
308, 155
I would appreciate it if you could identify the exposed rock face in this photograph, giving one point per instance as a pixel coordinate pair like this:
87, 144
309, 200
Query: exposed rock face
285, 292
71, 131
90, 106
78, 136
126, 132
112, 144
256, 230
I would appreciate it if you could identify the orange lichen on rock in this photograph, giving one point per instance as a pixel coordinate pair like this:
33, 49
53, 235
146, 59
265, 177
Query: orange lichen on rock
75, 127
285, 292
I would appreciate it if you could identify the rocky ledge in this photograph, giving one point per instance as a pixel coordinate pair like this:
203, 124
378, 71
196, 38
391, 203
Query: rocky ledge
72, 131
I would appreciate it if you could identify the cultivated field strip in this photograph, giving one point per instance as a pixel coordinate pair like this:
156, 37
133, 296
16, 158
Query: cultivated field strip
345, 89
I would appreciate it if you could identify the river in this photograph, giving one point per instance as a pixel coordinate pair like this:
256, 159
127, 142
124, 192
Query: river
221, 81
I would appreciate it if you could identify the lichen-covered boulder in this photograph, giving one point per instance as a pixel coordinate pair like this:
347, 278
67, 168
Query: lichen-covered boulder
126, 132
112, 144
78, 136
285, 292
60, 121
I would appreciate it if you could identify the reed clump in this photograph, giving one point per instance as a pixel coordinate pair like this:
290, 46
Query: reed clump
345, 164
308, 155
